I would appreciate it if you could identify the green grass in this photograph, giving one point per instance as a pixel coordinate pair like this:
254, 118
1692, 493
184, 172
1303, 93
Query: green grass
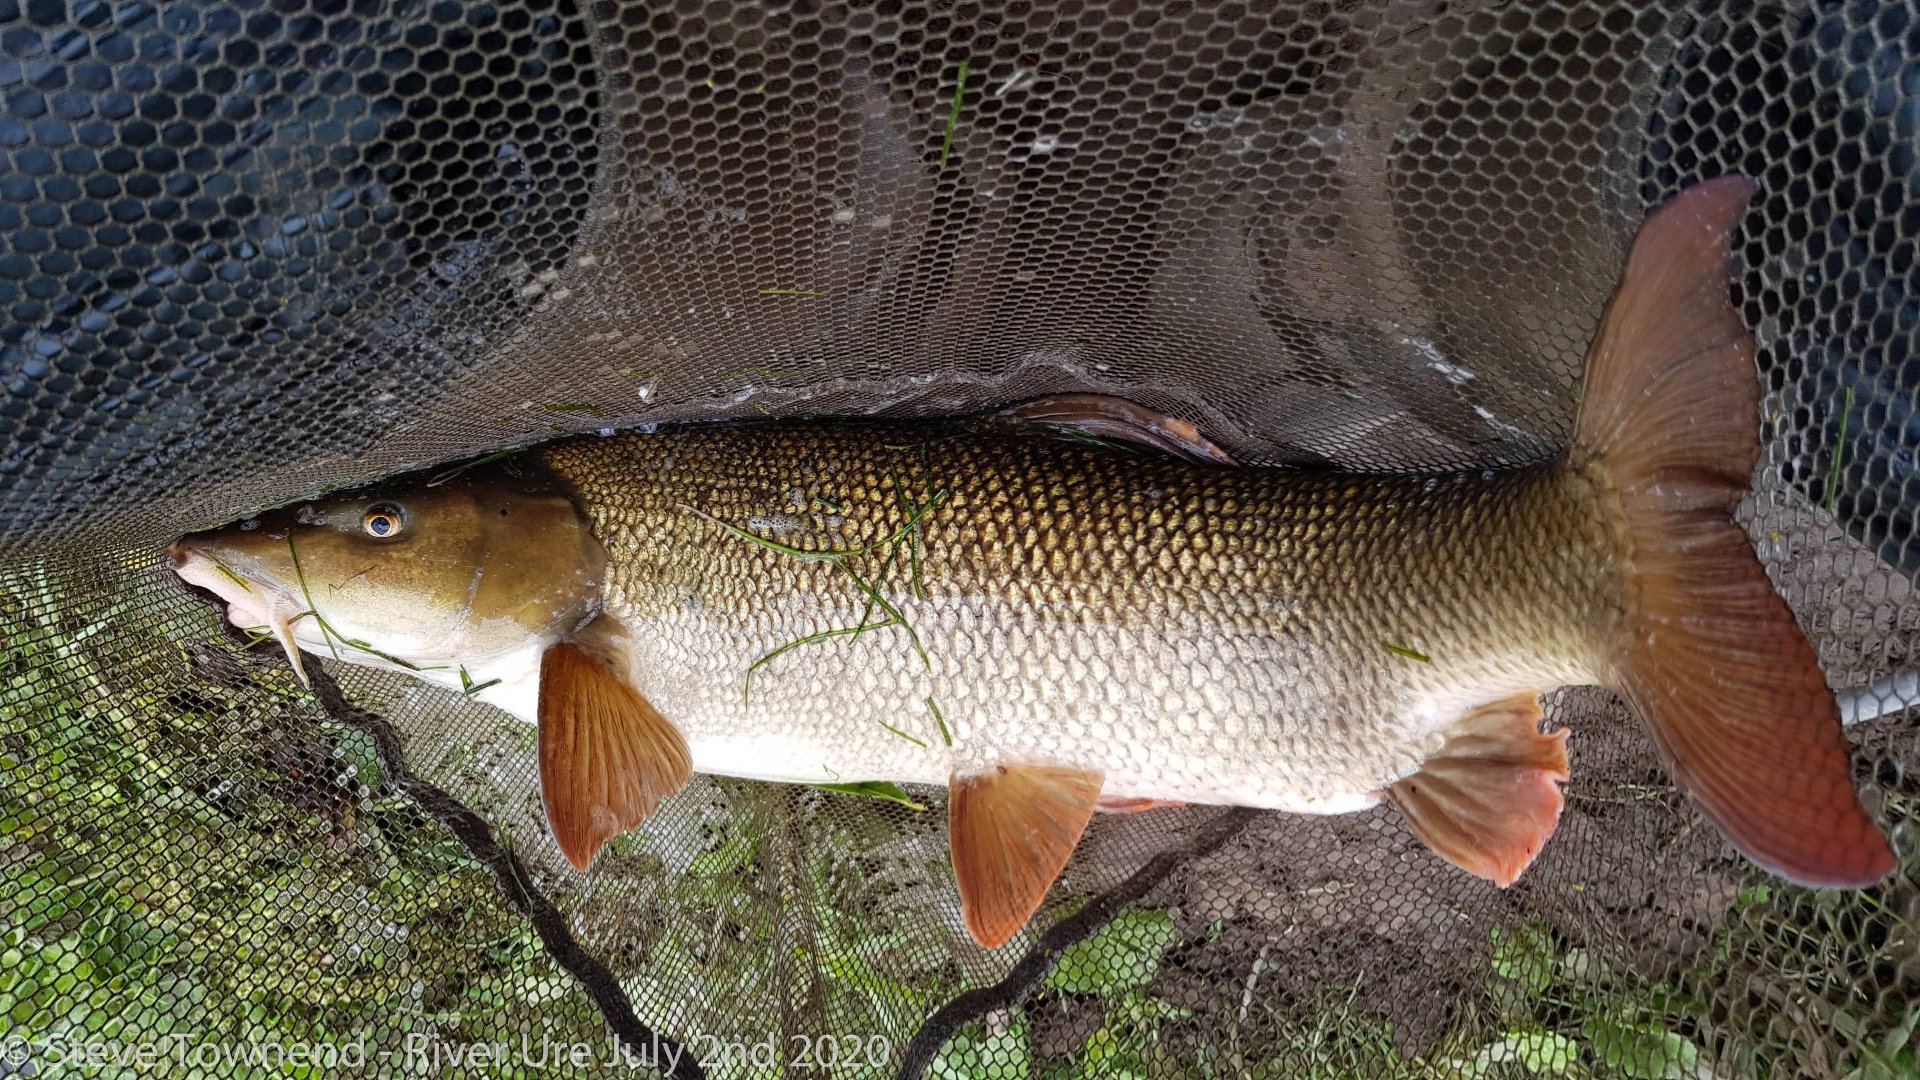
168, 872
1839, 450
1545, 1008
940, 718
328, 633
825, 554
953, 111
876, 789
921, 743
468, 686
888, 547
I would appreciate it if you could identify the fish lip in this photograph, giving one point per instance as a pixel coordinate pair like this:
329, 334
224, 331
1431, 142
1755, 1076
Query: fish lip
229, 628
181, 556
253, 605
176, 556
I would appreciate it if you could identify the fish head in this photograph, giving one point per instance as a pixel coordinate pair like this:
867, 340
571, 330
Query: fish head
409, 576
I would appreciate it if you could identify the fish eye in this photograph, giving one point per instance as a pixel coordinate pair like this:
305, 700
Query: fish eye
383, 521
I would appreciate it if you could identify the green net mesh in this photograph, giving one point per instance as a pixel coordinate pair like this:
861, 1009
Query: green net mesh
251, 250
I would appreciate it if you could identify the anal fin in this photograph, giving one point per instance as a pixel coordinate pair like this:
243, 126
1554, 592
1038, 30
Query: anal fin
1011, 830
1117, 418
607, 757
1490, 798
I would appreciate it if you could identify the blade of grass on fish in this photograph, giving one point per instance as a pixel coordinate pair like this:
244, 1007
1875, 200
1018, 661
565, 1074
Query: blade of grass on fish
886, 567
893, 612
1411, 654
1082, 435
256, 635
228, 570
902, 734
892, 555
326, 632
773, 545
913, 558
838, 557
912, 532
371, 651
875, 789
746, 691
913, 538
941, 719
468, 686
953, 112
861, 626
1839, 451
497, 455
332, 635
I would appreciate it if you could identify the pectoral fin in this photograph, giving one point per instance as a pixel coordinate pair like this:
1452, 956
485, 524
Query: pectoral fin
1117, 418
1011, 830
1488, 800
607, 757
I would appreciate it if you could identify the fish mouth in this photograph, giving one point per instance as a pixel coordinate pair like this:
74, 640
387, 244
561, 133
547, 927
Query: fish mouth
249, 606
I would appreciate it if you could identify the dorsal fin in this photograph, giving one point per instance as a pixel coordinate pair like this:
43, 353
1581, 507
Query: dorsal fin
1117, 418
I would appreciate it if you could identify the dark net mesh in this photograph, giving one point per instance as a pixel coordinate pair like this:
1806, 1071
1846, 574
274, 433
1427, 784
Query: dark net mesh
250, 251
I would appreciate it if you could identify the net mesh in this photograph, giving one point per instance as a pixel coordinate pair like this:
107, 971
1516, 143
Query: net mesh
251, 251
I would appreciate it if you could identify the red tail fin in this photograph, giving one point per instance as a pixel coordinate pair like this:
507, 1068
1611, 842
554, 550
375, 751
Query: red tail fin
1709, 655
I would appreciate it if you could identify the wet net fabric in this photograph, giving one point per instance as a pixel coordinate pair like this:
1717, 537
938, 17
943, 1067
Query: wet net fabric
254, 251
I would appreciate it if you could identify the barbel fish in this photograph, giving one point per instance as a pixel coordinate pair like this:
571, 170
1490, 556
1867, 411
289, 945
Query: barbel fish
1048, 626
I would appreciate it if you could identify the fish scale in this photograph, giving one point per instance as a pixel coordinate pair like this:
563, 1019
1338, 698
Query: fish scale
1193, 633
